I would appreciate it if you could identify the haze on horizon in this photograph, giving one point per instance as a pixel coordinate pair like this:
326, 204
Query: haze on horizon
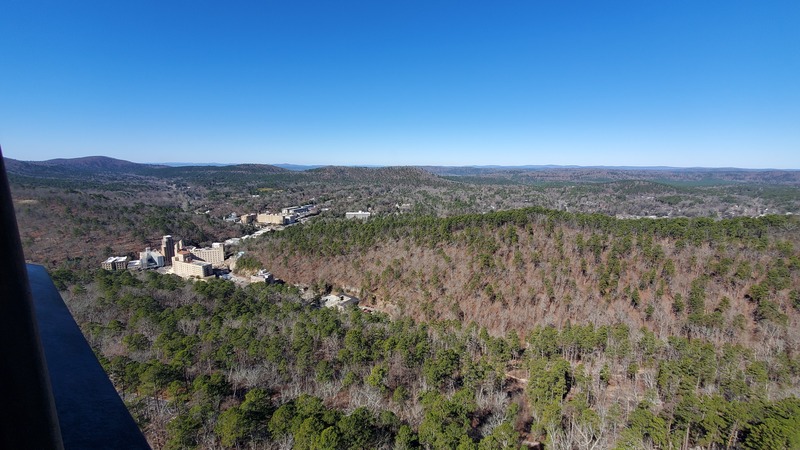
624, 83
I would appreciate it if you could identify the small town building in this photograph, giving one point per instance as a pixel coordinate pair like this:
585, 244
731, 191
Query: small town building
167, 249
214, 254
184, 265
296, 210
274, 219
339, 301
115, 263
150, 259
360, 215
262, 276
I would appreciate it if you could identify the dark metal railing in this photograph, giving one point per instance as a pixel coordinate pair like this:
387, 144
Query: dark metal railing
27, 409
53, 392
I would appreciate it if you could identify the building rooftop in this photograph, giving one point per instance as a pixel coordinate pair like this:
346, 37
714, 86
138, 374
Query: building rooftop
113, 259
338, 301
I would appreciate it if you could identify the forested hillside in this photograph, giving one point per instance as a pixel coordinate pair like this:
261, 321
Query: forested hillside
209, 365
733, 280
78, 228
661, 315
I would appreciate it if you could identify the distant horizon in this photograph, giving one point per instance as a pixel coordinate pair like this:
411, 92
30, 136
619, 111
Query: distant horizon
476, 166
614, 164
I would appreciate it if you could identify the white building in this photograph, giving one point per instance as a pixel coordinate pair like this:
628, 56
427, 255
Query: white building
296, 209
361, 215
150, 259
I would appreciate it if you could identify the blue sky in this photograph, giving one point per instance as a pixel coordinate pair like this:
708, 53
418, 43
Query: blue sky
678, 83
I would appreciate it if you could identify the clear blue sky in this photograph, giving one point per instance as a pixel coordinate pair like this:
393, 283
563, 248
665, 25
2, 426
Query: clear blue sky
679, 83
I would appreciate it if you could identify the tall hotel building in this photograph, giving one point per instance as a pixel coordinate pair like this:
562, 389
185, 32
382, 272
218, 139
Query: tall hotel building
167, 249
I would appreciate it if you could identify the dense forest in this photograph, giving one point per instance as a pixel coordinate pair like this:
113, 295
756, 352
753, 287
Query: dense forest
207, 364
